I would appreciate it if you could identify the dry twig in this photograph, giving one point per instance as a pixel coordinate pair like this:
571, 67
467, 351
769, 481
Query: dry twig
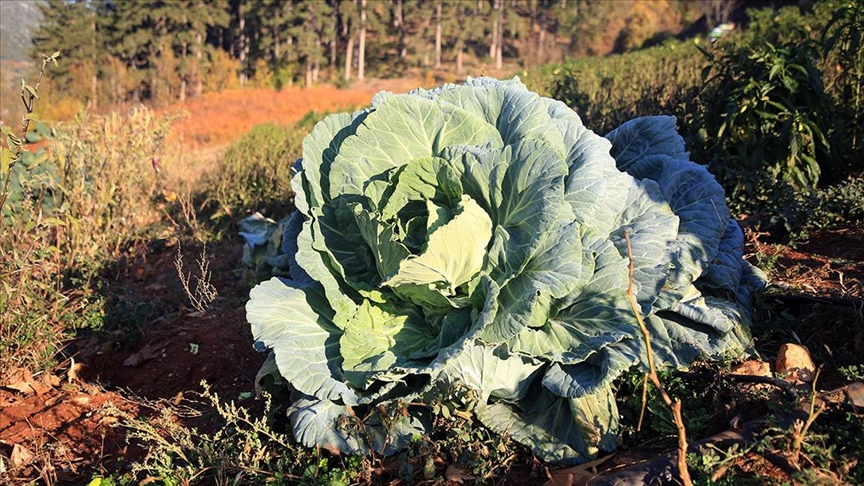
674, 405
204, 293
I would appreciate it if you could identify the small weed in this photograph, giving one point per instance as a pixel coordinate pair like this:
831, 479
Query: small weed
854, 372
243, 450
202, 293
715, 464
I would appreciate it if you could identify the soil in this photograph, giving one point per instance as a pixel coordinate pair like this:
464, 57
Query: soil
135, 367
825, 263
61, 427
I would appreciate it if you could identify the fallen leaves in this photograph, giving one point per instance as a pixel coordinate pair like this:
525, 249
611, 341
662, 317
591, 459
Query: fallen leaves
23, 381
576, 475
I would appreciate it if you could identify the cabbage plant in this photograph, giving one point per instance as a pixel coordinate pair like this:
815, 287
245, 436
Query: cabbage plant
466, 246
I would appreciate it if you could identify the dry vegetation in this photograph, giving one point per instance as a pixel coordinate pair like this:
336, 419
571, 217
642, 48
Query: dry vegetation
108, 347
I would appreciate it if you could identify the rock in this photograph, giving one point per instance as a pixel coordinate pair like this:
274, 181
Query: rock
794, 363
856, 393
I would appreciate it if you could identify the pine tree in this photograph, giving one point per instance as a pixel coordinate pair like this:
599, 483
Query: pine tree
75, 29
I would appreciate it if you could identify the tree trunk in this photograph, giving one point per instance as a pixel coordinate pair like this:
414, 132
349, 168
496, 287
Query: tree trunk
493, 46
332, 46
400, 24
199, 80
183, 75
349, 51
361, 55
308, 77
438, 34
459, 61
499, 46
242, 48
541, 39
94, 80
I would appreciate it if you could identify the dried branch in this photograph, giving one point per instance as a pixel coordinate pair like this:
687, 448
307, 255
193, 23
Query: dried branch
204, 293
674, 405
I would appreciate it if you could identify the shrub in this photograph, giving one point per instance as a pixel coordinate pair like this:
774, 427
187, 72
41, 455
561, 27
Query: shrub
255, 173
608, 91
73, 206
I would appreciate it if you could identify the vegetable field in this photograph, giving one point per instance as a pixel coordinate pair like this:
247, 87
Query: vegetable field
130, 399
643, 268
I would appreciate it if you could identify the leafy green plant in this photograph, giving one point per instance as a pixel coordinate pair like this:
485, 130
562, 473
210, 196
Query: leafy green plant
843, 49
770, 124
254, 173
475, 237
852, 372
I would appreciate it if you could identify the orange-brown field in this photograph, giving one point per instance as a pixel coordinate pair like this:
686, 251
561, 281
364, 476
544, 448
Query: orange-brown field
216, 119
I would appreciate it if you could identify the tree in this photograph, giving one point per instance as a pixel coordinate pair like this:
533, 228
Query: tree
75, 29
361, 48
498, 18
350, 16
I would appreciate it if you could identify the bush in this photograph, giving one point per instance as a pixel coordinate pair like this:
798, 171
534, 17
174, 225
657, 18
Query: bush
73, 206
606, 92
255, 173
769, 105
774, 110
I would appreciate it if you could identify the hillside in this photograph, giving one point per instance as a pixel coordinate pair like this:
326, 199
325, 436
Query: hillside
18, 19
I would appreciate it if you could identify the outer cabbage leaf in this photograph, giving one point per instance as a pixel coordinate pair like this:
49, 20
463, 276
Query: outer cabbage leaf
562, 430
313, 422
297, 323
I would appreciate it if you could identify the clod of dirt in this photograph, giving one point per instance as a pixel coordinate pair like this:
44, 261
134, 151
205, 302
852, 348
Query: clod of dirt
794, 362
856, 393
457, 474
753, 367
146, 354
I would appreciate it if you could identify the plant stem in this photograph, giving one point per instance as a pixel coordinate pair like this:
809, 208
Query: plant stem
27, 97
798, 435
674, 405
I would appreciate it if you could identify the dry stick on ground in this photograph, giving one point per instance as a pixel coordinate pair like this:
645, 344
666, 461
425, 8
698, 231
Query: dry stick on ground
674, 405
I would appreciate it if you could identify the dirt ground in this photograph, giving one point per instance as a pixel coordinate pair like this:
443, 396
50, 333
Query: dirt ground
55, 426
61, 427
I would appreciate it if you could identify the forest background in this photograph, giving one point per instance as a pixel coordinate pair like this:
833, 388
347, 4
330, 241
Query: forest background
117, 53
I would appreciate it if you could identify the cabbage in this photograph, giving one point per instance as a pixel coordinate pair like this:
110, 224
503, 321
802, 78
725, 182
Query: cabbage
470, 241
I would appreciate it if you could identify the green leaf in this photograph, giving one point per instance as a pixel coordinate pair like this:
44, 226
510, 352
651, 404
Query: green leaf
491, 371
454, 254
522, 187
402, 129
380, 338
7, 157
424, 179
337, 428
296, 322
558, 430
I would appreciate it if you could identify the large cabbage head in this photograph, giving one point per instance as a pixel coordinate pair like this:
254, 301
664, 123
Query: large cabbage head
469, 241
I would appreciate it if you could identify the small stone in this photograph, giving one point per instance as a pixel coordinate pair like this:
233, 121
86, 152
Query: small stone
794, 363
856, 393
